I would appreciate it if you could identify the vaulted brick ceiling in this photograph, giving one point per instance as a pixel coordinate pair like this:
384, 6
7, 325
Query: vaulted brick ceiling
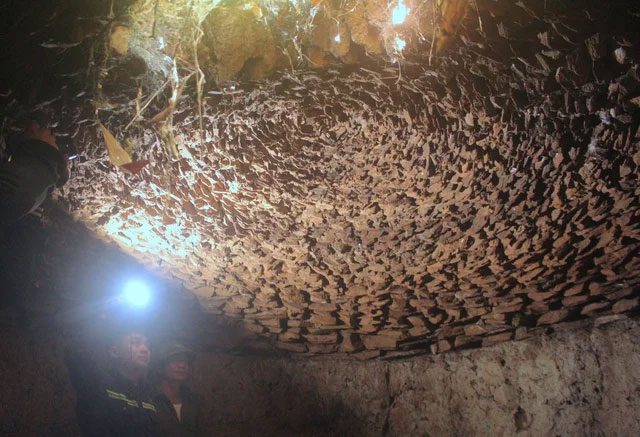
462, 192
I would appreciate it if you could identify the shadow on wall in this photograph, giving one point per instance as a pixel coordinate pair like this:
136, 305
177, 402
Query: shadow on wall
36, 398
250, 395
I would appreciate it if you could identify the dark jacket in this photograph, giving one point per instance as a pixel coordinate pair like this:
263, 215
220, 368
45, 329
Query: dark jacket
108, 404
33, 169
190, 415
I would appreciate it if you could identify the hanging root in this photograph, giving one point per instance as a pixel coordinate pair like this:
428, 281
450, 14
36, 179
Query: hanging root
200, 80
149, 100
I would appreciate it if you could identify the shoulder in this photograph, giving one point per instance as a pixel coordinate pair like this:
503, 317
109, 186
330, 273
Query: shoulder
38, 148
44, 151
162, 403
190, 395
159, 397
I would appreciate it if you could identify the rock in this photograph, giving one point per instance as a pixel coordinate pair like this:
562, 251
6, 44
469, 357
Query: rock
292, 347
322, 338
490, 340
553, 317
619, 294
625, 305
595, 307
466, 341
579, 299
522, 333
119, 39
596, 47
235, 43
605, 320
366, 355
314, 348
474, 330
351, 343
621, 55
378, 342
444, 346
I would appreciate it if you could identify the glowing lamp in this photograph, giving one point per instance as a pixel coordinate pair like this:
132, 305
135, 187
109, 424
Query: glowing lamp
399, 13
136, 293
399, 44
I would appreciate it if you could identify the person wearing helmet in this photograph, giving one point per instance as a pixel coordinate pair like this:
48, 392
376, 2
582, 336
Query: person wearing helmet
179, 411
34, 166
118, 401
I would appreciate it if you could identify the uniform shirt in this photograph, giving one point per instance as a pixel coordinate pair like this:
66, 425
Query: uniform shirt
188, 423
111, 405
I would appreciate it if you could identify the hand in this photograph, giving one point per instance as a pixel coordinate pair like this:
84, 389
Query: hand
36, 132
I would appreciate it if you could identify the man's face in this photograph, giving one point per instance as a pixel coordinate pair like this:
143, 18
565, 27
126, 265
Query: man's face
133, 350
177, 368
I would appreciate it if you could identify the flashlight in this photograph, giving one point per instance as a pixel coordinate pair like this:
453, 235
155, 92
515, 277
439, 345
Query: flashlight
136, 293
66, 147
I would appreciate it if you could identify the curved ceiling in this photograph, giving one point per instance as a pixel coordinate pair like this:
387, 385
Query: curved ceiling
461, 194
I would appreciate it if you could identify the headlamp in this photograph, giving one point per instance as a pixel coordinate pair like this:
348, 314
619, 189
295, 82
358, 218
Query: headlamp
136, 293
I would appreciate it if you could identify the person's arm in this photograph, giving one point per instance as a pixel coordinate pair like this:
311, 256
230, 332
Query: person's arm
87, 380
